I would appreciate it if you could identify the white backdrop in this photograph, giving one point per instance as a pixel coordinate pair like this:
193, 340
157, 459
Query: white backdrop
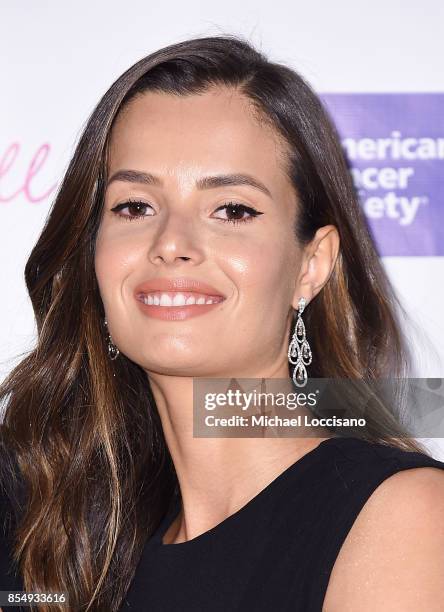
57, 60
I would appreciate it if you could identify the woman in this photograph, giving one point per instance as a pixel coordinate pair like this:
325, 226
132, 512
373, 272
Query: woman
206, 169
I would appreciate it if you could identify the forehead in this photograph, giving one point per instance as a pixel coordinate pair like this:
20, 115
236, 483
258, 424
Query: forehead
218, 130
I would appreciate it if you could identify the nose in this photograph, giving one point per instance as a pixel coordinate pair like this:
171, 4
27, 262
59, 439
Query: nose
178, 239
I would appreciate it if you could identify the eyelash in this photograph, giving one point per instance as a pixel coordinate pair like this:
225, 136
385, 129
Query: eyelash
234, 205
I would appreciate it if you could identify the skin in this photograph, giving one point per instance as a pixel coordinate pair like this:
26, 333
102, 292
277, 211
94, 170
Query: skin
393, 557
256, 264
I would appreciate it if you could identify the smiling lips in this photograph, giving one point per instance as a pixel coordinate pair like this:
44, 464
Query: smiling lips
179, 298
176, 299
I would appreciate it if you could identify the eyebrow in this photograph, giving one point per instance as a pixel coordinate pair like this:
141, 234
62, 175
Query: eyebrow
206, 182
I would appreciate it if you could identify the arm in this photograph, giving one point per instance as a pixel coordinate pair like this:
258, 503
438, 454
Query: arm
393, 557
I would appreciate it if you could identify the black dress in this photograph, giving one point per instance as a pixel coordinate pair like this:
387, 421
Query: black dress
277, 552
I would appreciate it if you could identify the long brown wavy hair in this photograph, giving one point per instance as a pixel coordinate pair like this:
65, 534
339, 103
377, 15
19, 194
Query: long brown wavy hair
82, 441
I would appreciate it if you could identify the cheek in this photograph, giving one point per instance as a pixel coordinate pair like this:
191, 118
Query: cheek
114, 259
261, 268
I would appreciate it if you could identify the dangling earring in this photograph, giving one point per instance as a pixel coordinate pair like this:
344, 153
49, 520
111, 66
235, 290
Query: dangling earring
299, 351
113, 351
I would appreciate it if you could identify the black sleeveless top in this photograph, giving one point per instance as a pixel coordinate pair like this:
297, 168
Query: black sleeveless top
275, 553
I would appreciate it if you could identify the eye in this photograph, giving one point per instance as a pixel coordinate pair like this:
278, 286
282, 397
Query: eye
136, 206
234, 209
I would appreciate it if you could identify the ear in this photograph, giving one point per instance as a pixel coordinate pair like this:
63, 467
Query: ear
318, 261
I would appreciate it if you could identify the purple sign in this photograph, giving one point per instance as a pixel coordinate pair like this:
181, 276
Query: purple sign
395, 146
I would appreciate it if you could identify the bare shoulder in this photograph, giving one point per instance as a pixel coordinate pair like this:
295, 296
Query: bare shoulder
393, 556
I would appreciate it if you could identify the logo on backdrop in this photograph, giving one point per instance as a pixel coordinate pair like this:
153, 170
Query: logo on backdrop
17, 173
395, 147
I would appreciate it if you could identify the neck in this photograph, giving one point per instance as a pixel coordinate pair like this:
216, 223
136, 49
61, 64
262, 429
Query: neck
219, 475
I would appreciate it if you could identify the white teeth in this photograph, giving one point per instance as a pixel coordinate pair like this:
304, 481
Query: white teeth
165, 300
179, 300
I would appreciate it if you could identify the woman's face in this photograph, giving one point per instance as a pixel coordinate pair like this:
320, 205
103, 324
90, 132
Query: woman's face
181, 229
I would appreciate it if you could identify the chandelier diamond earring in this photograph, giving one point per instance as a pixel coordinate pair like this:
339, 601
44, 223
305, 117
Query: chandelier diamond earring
113, 351
299, 351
